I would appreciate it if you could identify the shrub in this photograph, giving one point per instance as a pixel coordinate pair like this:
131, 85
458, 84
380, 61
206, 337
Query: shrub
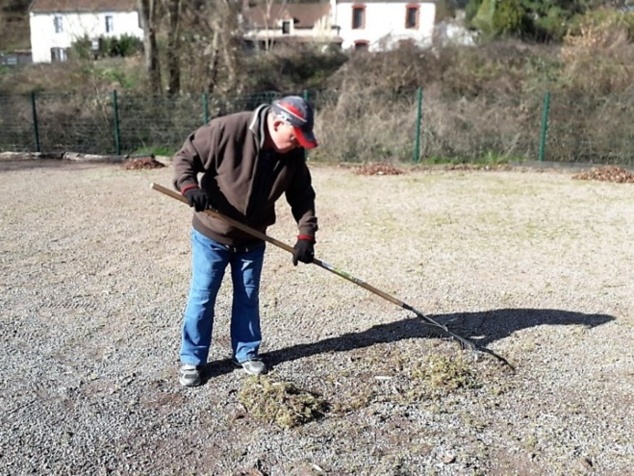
499, 18
109, 47
123, 46
81, 48
508, 17
600, 27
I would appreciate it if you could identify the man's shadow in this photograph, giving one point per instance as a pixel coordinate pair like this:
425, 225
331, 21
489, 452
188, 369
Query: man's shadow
482, 328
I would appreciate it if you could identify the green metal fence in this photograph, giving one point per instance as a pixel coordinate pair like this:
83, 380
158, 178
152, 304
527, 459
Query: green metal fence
410, 126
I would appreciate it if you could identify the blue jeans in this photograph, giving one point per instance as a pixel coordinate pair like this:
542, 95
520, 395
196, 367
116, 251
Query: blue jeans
209, 261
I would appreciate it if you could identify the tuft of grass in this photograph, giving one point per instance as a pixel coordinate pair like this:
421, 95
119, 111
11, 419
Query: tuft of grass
280, 403
360, 398
446, 373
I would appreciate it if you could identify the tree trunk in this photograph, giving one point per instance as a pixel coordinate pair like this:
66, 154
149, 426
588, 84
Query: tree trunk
173, 47
147, 12
214, 60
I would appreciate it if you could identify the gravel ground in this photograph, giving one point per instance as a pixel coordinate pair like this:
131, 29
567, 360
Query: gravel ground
531, 265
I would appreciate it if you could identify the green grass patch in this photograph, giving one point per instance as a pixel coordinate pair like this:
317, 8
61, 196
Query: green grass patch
155, 151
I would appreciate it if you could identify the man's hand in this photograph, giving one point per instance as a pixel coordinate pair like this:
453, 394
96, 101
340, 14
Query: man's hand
304, 249
199, 199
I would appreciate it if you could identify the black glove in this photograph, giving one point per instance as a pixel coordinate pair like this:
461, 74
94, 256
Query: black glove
199, 199
303, 250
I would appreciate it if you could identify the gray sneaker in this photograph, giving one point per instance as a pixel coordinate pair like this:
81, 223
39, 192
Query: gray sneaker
190, 375
253, 366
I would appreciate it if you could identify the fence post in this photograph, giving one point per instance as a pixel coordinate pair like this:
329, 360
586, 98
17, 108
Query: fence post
117, 132
544, 127
36, 130
205, 108
419, 120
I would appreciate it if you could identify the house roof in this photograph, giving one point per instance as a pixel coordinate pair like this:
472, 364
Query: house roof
61, 6
304, 14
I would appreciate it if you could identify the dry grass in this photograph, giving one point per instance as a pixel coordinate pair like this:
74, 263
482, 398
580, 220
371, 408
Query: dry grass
282, 403
446, 372
481, 104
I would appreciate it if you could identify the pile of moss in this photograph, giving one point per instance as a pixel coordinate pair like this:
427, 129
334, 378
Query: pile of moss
447, 373
280, 402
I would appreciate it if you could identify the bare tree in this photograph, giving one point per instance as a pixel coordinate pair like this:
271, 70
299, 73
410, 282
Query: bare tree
270, 18
225, 26
215, 29
148, 13
173, 8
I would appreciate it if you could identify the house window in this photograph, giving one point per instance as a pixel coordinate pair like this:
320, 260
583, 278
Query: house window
361, 45
286, 27
58, 55
411, 17
59, 25
109, 24
358, 17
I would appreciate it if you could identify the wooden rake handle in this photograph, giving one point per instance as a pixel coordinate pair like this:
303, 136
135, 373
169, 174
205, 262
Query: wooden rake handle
322, 264
280, 244
231, 221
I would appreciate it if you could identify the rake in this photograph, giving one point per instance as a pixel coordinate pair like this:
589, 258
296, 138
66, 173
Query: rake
465, 343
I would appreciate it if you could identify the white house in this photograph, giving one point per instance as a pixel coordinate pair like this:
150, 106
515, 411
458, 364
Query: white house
384, 24
354, 24
56, 24
266, 25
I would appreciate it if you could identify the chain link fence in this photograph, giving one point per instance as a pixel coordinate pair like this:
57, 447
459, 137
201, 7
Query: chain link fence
363, 126
584, 128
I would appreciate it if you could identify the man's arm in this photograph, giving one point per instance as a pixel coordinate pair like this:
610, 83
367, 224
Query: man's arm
194, 157
301, 197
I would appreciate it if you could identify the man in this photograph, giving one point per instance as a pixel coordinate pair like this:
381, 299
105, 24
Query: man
247, 161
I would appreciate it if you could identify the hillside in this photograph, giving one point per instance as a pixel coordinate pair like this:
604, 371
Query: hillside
14, 24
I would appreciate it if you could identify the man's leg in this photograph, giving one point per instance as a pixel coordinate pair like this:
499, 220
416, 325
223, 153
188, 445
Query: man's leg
209, 260
246, 270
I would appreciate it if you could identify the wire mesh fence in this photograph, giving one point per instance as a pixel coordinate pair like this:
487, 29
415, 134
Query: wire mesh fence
358, 126
366, 126
74, 122
17, 124
171, 120
488, 127
585, 129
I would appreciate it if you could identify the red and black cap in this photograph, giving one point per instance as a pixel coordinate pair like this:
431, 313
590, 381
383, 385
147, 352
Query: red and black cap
293, 110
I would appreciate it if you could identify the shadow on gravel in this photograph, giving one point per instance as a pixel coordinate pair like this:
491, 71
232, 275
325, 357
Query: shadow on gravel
486, 327
482, 328
217, 368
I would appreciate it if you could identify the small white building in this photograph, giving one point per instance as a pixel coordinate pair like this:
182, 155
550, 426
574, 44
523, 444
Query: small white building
266, 25
374, 25
378, 25
56, 24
